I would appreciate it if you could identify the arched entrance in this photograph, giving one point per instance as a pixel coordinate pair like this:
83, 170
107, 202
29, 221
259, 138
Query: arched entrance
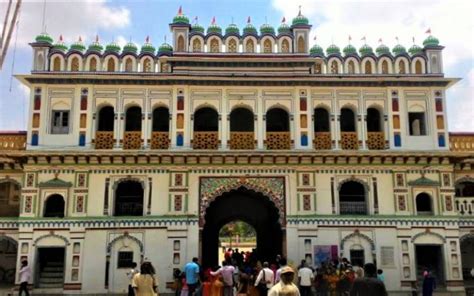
8, 257
251, 207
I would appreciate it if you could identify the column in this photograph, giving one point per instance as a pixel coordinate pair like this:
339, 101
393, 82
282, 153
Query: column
362, 126
335, 122
223, 122
260, 126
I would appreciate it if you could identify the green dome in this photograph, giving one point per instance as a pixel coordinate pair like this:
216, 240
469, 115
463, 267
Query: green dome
284, 29
349, 49
415, 49
180, 18
165, 48
44, 38
250, 29
214, 28
60, 45
197, 28
333, 49
95, 46
300, 20
399, 49
147, 47
431, 41
232, 29
267, 29
382, 49
78, 45
316, 50
365, 50
113, 47
130, 48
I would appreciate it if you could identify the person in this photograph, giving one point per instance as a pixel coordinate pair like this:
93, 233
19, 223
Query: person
472, 272
177, 276
283, 264
264, 279
130, 274
227, 273
25, 275
144, 282
305, 277
368, 285
285, 286
380, 275
429, 283
191, 270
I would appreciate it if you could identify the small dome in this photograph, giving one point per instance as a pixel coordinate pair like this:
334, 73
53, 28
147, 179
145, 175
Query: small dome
415, 49
249, 28
130, 48
180, 18
78, 45
147, 47
60, 45
214, 28
95, 46
399, 49
316, 50
267, 29
382, 49
284, 28
44, 38
300, 20
113, 47
333, 49
349, 50
232, 29
165, 48
197, 28
366, 50
431, 41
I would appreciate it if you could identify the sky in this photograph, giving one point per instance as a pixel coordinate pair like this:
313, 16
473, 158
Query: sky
333, 21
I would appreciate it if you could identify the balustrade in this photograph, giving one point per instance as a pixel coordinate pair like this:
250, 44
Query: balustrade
160, 140
465, 205
278, 141
353, 208
104, 140
242, 140
13, 141
132, 140
322, 141
349, 141
205, 140
375, 140
461, 141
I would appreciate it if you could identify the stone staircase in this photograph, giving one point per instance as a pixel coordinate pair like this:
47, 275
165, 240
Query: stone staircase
52, 276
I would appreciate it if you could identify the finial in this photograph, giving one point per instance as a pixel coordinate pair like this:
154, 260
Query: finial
413, 38
165, 38
266, 22
380, 40
195, 19
350, 38
248, 20
365, 39
80, 39
396, 38
299, 13
283, 20
232, 20
213, 20
428, 31
97, 38
314, 39
130, 39
180, 10
61, 38
147, 39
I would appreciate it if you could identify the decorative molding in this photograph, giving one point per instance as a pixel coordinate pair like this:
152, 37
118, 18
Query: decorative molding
126, 235
358, 234
423, 181
353, 179
55, 183
427, 232
52, 234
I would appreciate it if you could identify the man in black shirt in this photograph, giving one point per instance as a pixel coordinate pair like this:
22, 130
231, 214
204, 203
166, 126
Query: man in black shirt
369, 285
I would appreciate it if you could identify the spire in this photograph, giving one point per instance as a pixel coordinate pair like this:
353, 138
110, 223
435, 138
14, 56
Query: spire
97, 38
147, 39
80, 39
350, 38
213, 20
396, 38
180, 10
299, 13
248, 20
61, 38
283, 20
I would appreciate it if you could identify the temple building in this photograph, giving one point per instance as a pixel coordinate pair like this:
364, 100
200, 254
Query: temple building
145, 152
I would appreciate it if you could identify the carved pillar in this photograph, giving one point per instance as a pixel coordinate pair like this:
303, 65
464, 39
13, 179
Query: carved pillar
376, 198
150, 188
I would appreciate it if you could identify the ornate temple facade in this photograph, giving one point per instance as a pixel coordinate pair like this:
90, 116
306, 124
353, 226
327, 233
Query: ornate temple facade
134, 153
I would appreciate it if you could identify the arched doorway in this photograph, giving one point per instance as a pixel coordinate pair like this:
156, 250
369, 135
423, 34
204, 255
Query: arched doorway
242, 129
132, 138
8, 255
160, 128
237, 241
352, 199
251, 207
104, 136
54, 206
467, 249
206, 127
423, 204
277, 129
129, 199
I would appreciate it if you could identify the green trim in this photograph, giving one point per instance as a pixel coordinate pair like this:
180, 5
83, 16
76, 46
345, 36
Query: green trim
298, 196
314, 200
169, 202
186, 202
55, 183
423, 181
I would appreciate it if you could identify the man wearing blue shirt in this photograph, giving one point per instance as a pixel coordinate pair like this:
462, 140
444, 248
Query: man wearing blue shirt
192, 275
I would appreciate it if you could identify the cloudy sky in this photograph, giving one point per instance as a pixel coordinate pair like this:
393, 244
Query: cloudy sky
452, 21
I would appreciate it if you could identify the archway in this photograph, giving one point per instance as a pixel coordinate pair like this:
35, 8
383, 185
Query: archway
54, 206
423, 204
9, 198
8, 257
251, 207
237, 241
352, 199
129, 199
467, 249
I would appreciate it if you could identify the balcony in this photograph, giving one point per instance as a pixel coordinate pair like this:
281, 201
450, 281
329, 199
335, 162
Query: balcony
461, 141
205, 140
13, 140
353, 208
104, 140
465, 205
278, 141
322, 141
349, 141
375, 140
160, 140
132, 140
242, 140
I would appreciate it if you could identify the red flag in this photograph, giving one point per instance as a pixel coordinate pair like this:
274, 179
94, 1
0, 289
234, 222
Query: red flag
61, 38
314, 38
350, 38
363, 38
248, 20
97, 38
213, 20
283, 20
396, 38
147, 39
380, 40
180, 10
80, 39
428, 31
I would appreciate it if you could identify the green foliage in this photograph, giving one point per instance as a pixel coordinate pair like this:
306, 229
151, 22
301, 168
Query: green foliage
237, 228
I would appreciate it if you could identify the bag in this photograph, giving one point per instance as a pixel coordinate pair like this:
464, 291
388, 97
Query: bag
262, 285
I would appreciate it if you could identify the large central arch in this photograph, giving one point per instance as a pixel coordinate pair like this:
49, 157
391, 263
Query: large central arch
251, 207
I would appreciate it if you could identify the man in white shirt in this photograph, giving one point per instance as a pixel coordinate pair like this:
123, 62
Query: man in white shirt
130, 276
264, 279
305, 276
25, 275
285, 286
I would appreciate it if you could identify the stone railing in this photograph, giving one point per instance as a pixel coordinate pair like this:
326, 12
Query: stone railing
132, 140
205, 140
104, 140
461, 141
349, 141
160, 140
242, 140
352, 208
322, 141
375, 140
13, 140
465, 206
278, 141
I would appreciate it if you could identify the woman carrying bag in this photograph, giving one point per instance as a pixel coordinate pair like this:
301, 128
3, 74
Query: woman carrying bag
144, 283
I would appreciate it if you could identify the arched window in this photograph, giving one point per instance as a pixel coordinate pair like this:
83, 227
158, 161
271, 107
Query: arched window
111, 65
196, 45
206, 120
161, 119
75, 64
285, 46
93, 64
321, 120
249, 46
106, 119
241, 120
147, 65
465, 189
133, 119
40, 63
301, 47
180, 43
434, 64
232, 47
54, 206
347, 120
401, 67
57, 64
352, 199
351, 67
373, 120
267, 46
318, 67
368, 67
384, 67
418, 67
277, 120
128, 65
214, 45
10, 193
334, 67
423, 204
129, 199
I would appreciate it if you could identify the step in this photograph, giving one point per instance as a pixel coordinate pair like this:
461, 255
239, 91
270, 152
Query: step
51, 274
50, 285
53, 269
51, 280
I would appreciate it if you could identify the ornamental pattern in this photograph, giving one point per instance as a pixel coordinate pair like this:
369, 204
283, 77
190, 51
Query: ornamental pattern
160, 140
349, 141
401, 203
375, 140
104, 140
242, 140
132, 140
322, 141
206, 140
213, 187
28, 204
80, 204
278, 141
